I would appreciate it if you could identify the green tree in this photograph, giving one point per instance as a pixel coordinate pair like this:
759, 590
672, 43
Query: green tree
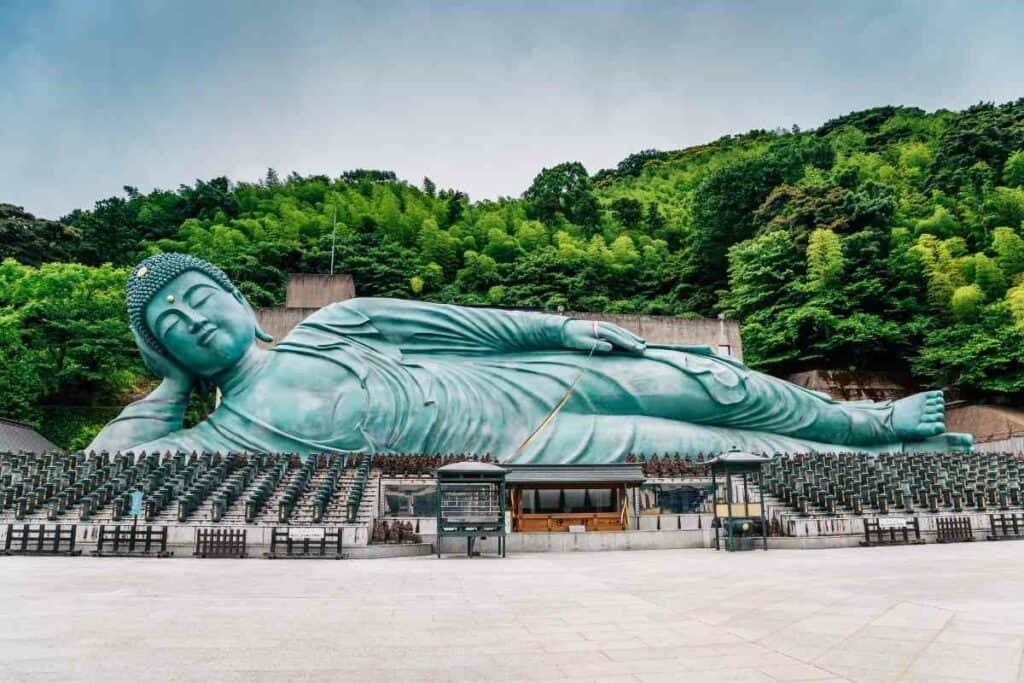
628, 212
32, 240
563, 192
824, 259
1013, 171
967, 302
1009, 249
724, 204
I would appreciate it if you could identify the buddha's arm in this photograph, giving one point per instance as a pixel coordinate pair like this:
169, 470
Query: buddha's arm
417, 326
202, 437
157, 415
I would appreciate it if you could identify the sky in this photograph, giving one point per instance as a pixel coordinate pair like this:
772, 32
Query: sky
479, 96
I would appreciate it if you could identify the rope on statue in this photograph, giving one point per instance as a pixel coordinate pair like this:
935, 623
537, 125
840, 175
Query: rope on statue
561, 403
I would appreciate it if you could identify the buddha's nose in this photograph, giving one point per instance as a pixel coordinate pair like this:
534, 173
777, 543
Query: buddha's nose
196, 323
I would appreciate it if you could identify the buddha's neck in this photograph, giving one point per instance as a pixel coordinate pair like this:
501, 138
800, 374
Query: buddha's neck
237, 378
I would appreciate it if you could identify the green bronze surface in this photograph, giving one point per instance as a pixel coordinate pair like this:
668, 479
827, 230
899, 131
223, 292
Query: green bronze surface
390, 375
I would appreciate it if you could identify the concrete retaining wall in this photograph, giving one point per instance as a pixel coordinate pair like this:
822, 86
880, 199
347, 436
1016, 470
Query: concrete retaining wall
680, 522
799, 527
278, 322
591, 541
676, 532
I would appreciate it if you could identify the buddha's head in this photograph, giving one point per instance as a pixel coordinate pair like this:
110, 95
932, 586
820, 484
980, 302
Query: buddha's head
185, 311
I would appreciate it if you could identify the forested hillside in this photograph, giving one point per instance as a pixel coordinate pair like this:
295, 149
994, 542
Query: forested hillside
888, 239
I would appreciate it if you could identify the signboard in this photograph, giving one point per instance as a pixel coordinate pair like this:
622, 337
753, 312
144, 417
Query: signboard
892, 522
136, 503
577, 528
300, 534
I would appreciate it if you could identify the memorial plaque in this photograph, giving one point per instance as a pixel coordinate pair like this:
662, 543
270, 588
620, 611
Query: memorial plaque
300, 534
892, 522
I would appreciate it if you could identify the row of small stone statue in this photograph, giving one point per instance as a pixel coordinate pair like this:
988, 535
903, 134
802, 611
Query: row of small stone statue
396, 532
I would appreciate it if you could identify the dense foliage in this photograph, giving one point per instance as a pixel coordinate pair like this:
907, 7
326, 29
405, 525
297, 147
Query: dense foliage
889, 239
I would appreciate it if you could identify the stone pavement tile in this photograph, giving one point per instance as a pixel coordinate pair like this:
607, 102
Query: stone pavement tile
606, 636
986, 624
875, 654
634, 654
539, 658
832, 624
801, 645
968, 661
511, 671
934, 678
795, 671
732, 676
688, 666
753, 628
865, 675
859, 608
693, 634
914, 616
585, 646
900, 633
717, 616
747, 650
983, 639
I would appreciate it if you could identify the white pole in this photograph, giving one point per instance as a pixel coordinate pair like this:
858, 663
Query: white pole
334, 236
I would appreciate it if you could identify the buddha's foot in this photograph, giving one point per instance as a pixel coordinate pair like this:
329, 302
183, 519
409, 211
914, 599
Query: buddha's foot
943, 443
920, 416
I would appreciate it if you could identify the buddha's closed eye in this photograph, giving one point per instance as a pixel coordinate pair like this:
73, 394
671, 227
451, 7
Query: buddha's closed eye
168, 323
197, 295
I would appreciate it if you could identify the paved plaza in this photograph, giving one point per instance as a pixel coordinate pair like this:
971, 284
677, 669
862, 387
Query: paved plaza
925, 613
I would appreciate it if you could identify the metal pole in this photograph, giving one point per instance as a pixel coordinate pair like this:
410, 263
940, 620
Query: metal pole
728, 507
714, 507
760, 502
746, 497
334, 236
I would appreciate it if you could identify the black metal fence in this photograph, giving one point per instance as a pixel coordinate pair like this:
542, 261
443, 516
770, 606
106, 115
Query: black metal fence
891, 531
285, 542
126, 540
953, 529
219, 543
41, 539
1006, 527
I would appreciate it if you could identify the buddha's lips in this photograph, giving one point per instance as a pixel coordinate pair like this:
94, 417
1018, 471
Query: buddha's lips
204, 336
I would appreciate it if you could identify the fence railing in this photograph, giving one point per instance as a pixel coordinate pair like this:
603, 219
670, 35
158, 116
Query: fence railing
305, 543
123, 540
41, 539
953, 529
1005, 527
219, 543
891, 531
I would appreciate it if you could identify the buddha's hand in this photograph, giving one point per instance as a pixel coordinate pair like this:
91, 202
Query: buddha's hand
177, 380
599, 337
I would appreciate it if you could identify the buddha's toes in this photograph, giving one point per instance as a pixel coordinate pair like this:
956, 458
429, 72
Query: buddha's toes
920, 416
943, 443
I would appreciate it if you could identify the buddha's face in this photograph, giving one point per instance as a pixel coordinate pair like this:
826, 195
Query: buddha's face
204, 327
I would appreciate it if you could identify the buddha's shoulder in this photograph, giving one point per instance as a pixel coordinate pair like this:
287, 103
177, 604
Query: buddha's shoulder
342, 313
291, 368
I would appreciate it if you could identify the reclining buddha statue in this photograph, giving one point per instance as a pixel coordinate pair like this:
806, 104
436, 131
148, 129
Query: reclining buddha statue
390, 376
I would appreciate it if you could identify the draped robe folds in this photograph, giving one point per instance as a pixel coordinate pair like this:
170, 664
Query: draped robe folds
450, 379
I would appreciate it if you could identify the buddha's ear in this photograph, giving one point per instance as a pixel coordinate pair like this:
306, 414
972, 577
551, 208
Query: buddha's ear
260, 332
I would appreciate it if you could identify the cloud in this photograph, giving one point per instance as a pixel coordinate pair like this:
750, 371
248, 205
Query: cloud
476, 95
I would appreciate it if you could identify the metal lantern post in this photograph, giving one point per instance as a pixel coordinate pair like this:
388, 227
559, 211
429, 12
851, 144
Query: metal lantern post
471, 503
737, 517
